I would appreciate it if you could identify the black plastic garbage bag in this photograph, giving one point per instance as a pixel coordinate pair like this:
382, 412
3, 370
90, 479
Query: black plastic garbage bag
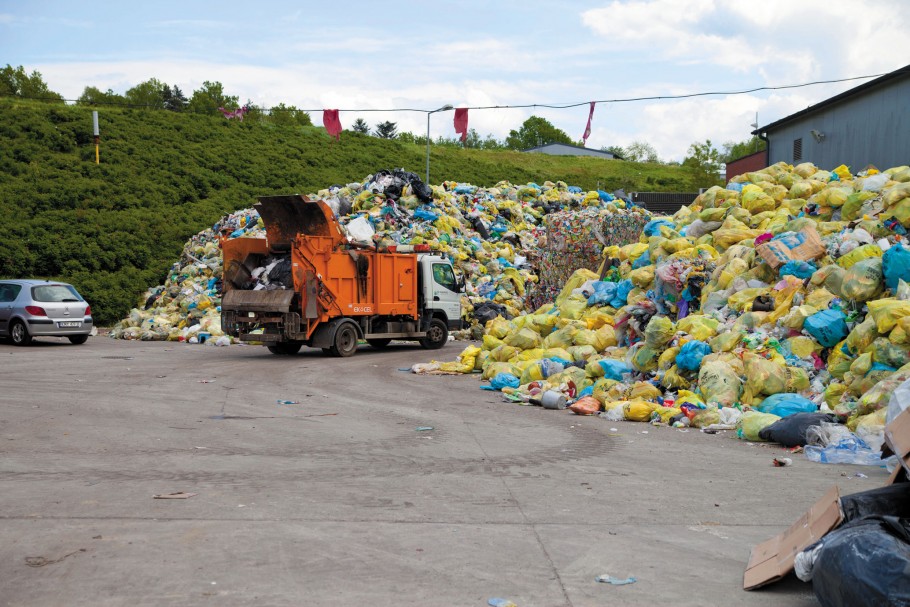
281, 274
487, 311
790, 431
891, 500
865, 563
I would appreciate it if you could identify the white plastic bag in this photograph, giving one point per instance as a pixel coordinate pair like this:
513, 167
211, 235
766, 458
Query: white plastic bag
900, 400
360, 230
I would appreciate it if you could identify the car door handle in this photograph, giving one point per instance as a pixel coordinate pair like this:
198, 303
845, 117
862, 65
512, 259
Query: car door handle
436, 298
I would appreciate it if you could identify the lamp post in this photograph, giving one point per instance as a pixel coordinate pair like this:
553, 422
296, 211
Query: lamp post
444, 108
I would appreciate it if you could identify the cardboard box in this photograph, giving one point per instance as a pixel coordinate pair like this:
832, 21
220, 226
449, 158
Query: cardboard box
806, 245
773, 559
897, 441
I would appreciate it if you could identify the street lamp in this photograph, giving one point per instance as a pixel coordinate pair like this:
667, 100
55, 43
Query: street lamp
444, 108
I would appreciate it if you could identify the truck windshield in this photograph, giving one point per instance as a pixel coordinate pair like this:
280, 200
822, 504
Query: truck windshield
443, 275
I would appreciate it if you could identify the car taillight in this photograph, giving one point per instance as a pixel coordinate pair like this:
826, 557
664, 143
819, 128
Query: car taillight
88, 310
35, 311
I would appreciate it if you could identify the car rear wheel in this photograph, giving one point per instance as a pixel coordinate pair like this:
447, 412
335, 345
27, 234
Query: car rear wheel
78, 339
437, 335
286, 348
345, 341
18, 333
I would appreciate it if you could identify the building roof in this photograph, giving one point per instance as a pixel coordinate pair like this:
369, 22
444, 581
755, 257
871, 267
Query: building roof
903, 72
569, 145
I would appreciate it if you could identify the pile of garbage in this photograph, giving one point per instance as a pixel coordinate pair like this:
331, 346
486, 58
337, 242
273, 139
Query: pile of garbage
489, 233
782, 293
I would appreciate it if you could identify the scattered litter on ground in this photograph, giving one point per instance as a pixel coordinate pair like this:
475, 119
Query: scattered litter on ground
179, 495
613, 581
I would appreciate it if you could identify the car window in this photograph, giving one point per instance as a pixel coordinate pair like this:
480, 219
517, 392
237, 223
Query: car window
9, 292
55, 293
443, 275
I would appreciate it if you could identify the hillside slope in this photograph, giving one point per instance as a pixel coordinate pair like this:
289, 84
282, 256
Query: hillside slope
114, 228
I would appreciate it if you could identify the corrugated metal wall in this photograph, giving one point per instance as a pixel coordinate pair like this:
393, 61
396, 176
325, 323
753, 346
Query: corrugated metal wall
871, 128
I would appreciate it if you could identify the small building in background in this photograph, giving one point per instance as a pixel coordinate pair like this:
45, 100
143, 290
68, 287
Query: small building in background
564, 149
869, 124
746, 164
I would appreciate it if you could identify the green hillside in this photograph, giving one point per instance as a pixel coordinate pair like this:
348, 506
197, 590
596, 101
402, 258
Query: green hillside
114, 228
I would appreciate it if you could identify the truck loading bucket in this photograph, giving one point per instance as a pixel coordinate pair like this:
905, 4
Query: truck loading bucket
285, 217
258, 301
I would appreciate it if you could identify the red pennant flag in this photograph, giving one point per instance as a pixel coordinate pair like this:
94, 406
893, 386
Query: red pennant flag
332, 123
584, 138
461, 122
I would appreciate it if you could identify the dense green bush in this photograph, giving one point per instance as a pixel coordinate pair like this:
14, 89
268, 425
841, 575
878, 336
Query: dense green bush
115, 228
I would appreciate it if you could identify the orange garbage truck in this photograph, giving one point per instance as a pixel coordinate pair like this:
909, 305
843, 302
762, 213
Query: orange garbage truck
306, 284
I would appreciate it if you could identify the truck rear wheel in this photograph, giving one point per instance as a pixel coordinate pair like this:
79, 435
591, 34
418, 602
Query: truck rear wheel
345, 341
286, 348
437, 335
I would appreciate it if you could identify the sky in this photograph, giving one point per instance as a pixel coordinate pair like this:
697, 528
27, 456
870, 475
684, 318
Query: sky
374, 55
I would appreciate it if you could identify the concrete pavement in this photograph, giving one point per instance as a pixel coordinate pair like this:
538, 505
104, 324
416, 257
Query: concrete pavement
341, 500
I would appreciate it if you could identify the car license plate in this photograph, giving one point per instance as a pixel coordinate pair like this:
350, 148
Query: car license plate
69, 324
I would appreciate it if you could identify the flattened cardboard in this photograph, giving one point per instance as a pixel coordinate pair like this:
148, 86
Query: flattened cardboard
897, 435
776, 253
773, 559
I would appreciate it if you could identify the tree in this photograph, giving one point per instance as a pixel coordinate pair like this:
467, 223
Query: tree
703, 160
491, 143
15, 82
360, 126
640, 151
387, 130
93, 96
289, 115
536, 131
732, 150
174, 99
616, 150
473, 139
148, 94
209, 97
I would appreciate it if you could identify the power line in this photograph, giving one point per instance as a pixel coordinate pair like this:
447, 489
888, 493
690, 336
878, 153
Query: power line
504, 107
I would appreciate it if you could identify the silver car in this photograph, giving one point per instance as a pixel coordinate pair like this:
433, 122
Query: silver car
33, 308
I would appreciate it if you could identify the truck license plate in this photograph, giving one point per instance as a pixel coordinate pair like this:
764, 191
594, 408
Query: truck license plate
69, 324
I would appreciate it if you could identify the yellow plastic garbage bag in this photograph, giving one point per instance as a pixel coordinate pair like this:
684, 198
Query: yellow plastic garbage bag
858, 254
503, 353
602, 389
754, 422
668, 358
596, 318
887, 312
559, 353
525, 339
719, 383
532, 354
706, 417
581, 352
573, 307
642, 277
644, 358
665, 414
659, 332
465, 362
490, 342
638, 410
499, 327
561, 338
864, 280
674, 379
698, 326
492, 369
578, 278
726, 341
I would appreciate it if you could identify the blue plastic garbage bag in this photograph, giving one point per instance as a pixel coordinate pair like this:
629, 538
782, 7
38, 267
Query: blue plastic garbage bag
652, 228
896, 265
465, 189
622, 293
614, 369
827, 327
425, 215
800, 269
643, 260
785, 404
574, 189
735, 187
550, 367
504, 380
690, 355
604, 292
605, 196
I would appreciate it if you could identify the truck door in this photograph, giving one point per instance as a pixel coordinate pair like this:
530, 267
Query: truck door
444, 293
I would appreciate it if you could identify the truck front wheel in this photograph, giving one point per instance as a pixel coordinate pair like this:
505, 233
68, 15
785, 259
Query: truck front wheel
437, 335
285, 348
345, 341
